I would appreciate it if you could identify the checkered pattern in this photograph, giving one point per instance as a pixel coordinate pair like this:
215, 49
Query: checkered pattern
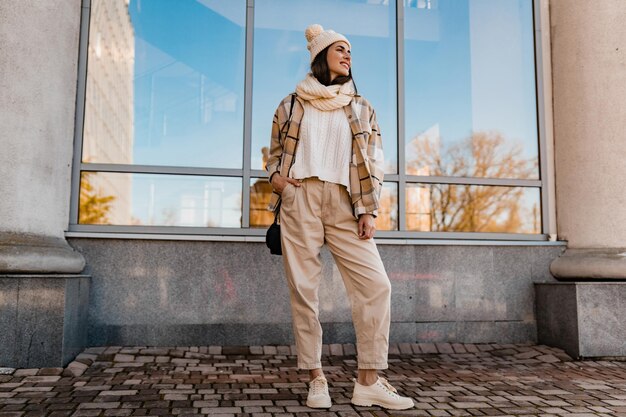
367, 167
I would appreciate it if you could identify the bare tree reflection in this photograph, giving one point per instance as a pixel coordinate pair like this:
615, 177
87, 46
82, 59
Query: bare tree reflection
470, 208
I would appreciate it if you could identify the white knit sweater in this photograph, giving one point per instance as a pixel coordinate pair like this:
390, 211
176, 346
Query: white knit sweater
325, 146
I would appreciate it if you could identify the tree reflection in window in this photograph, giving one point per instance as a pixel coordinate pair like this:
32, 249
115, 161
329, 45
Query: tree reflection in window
471, 208
94, 205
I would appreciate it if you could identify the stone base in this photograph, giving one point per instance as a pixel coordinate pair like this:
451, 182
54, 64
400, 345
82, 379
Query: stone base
22, 253
586, 319
577, 264
43, 319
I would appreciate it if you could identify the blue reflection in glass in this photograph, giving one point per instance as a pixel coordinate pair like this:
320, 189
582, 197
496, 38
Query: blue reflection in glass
188, 73
469, 74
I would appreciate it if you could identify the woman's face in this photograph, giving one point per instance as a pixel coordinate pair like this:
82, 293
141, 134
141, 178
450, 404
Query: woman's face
338, 59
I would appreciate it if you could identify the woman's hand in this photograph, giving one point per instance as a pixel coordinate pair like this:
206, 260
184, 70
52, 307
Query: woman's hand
367, 226
279, 182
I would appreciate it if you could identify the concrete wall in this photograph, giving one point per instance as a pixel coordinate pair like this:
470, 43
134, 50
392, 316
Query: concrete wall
176, 292
589, 87
38, 63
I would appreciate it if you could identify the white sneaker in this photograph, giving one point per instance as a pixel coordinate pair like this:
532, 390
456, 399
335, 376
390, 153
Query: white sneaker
318, 394
380, 393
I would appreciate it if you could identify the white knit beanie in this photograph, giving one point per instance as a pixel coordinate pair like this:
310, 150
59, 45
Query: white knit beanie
318, 39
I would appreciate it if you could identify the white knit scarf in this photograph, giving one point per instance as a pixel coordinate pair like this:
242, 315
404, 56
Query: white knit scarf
325, 97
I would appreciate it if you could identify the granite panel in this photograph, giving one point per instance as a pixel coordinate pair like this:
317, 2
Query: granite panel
512, 275
403, 332
46, 319
400, 264
601, 313
557, 316
186, 283
516, 332
434, 284
542, 257
476, 332
75, 317
338, 332
224, 285
40, 322
474, 288
8, 318
263, 334
190, 335
442, 331
457, 284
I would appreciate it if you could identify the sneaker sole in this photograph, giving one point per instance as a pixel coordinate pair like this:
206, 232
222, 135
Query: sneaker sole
321, 404
363, 402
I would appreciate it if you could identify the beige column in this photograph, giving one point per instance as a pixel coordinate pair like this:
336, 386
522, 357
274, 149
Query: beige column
589, 88
38, 67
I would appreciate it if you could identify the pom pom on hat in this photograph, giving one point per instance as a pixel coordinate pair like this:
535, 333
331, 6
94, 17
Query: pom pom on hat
312, 31
318, 39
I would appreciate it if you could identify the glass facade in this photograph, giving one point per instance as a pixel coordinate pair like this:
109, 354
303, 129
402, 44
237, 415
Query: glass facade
179, 99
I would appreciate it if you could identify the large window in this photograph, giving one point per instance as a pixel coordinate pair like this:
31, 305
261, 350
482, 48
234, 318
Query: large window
179, 95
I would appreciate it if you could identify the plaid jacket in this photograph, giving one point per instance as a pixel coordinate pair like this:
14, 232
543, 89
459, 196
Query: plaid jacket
366, 167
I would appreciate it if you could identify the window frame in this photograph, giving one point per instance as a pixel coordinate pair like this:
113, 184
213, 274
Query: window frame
544, 183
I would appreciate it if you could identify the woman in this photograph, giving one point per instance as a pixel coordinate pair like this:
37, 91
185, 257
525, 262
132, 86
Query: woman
326, 171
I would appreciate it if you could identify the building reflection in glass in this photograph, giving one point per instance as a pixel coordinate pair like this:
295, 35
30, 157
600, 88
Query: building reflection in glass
167, 79
108, 132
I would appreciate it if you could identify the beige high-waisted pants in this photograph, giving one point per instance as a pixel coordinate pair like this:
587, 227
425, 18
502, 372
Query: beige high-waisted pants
320, 212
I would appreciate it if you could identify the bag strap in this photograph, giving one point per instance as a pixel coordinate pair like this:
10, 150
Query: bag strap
293, 99
277, 214
277, 210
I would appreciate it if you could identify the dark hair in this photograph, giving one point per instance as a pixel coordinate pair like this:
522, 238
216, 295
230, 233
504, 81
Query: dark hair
320, 70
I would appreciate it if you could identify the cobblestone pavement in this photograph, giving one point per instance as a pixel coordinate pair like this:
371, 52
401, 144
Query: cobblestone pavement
443, 379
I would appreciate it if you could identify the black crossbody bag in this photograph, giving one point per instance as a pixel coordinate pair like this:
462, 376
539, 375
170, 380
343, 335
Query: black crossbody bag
272, 236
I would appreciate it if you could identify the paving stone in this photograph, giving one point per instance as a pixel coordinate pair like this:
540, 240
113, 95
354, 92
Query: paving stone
75, 369
428, 347
465, 379
270, 350
26, 372
548, 358
336, 349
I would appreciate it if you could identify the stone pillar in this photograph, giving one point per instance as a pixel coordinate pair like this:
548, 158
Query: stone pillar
585, 315
38, 63
589, 90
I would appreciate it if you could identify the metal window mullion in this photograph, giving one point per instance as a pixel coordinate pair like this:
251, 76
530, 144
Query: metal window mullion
541, 119
247, 116
113, 230
81, 88
258, 173
195, 230
460, 235
503, 182
401, 115
158, 169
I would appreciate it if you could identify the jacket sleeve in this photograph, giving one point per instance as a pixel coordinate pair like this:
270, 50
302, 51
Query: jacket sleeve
276, 146
376, 164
